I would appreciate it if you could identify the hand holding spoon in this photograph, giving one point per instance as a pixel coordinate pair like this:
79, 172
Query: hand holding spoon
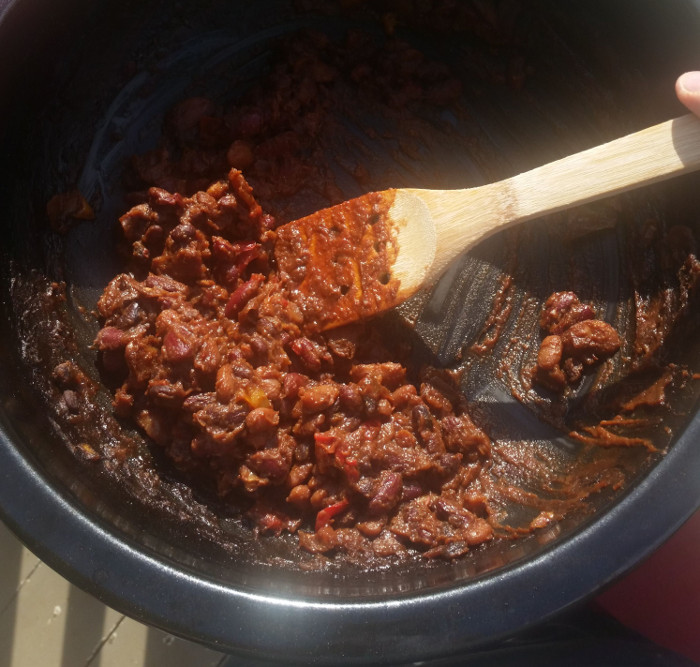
361, 257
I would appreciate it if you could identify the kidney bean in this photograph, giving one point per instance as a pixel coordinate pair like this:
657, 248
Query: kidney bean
388, 492
242, 294
318, 397
310, 353
179, 344
110, 338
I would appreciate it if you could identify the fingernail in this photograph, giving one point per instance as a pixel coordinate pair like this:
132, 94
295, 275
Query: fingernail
690, 82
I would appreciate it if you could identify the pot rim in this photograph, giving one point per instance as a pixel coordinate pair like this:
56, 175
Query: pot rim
156, 592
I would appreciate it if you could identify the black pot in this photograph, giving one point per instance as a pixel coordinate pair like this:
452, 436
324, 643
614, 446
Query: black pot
85, 85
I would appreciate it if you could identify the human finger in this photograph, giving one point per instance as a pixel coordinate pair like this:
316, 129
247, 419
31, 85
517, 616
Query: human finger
688, 91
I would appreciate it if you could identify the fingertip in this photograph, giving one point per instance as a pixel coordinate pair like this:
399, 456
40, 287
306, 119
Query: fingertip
688, 90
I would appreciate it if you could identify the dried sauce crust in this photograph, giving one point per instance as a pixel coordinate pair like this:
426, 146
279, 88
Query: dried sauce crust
321, 434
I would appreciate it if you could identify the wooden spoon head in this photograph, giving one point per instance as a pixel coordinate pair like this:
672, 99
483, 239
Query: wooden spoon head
356, 259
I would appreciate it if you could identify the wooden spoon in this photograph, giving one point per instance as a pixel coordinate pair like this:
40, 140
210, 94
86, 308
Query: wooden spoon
356, 259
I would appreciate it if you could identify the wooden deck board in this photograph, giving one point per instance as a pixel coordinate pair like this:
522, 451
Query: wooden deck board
45, 620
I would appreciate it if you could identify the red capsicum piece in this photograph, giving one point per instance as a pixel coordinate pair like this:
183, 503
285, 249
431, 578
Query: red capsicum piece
326, 441
326, 515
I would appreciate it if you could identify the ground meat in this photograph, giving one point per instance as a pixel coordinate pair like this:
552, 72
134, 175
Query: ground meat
575, 341
327, 434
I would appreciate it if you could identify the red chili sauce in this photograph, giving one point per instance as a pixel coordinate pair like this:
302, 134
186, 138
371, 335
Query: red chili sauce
336, 263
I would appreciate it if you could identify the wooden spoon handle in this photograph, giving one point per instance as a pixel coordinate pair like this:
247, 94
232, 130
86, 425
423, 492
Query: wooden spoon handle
653, 154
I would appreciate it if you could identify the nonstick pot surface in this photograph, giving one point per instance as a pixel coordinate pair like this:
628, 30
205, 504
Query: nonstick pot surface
103, 79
